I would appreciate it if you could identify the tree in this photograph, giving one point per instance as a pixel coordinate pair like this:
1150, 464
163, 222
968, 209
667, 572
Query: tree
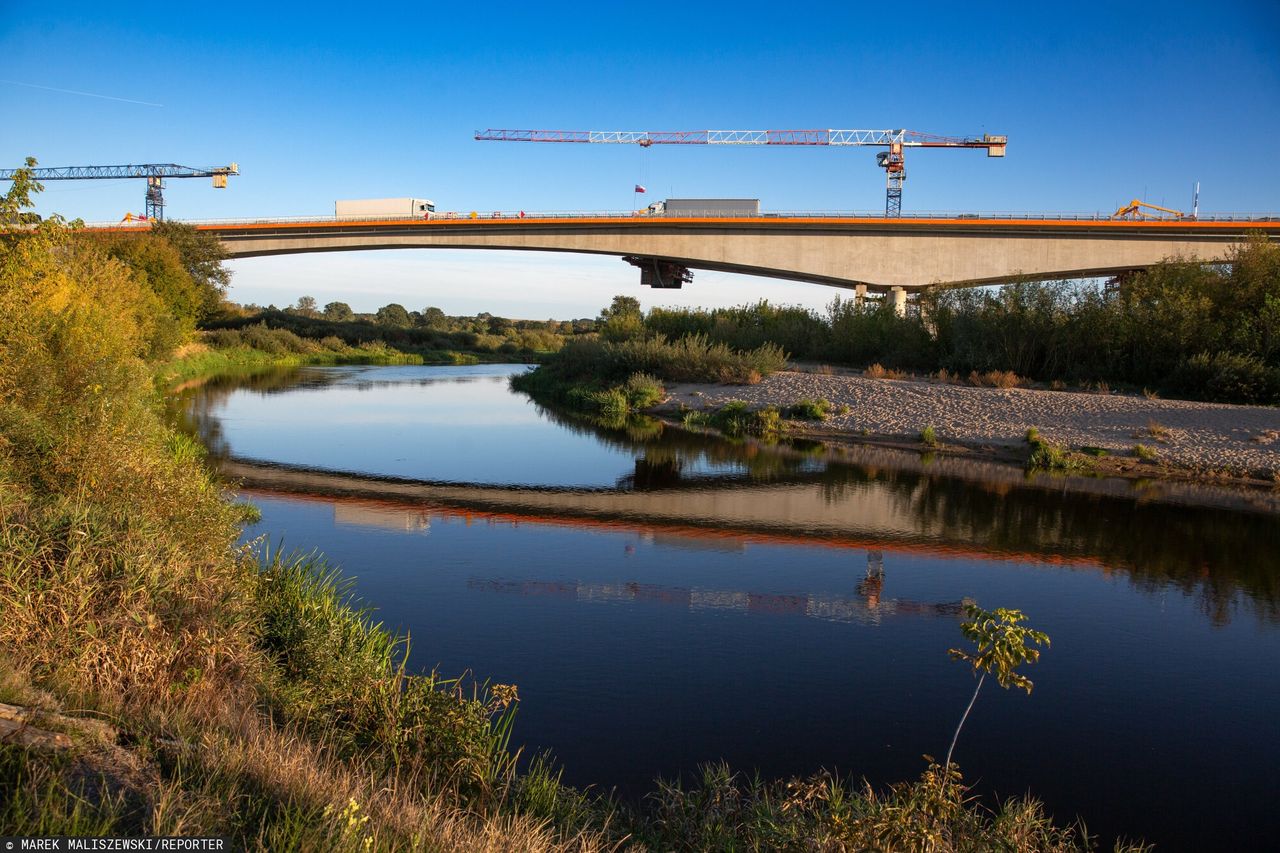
306, 306
622, 320
392, 315
202, 254
1000, 647
18, 197
338, 312
157, 265
434, 318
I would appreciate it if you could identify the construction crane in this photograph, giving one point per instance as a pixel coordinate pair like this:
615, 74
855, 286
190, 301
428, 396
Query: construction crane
891, 160
154, 173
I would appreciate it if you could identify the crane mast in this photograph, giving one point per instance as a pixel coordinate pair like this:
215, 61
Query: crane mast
891, 160
154, 173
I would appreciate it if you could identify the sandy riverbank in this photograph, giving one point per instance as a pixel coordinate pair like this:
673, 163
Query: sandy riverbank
1207, 438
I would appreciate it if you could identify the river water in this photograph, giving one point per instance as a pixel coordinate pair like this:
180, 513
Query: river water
665, 599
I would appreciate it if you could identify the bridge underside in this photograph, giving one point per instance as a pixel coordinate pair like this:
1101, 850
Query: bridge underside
847, 254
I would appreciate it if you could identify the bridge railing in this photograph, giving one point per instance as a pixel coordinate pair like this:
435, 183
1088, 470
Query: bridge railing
712, 214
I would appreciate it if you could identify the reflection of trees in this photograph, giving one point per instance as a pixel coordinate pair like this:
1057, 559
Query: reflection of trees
1225, 558
1212, 553
685, 449
1217, 555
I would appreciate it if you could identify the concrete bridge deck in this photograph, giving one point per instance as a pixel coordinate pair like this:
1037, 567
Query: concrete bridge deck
847, 251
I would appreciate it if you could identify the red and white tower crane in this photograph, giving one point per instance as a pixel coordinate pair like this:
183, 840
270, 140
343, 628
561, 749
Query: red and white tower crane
891, 160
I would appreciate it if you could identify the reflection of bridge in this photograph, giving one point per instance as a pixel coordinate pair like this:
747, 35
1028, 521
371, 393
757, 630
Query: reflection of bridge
848, 251
797, 512
1154, 539
863, 608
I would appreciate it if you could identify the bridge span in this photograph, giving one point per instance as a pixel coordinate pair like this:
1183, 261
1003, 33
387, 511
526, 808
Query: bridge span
865, 253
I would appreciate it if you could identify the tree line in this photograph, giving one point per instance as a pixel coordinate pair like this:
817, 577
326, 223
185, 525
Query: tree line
1201, 331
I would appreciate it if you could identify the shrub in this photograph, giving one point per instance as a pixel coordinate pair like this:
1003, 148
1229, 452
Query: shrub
809, 410
224, 339
736, 419
995, 379
1046, 456
643, 390
1146, 454
929, 437
690, 359
1227, 377
879, 371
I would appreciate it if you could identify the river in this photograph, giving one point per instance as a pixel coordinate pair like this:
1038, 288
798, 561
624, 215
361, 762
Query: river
665, 599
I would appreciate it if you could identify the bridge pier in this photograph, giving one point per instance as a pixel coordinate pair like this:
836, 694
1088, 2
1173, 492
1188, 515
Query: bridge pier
860, 295
899, 301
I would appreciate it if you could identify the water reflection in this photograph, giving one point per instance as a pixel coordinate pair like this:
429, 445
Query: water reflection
1157, 535
665, 598
867, 607
1226, 559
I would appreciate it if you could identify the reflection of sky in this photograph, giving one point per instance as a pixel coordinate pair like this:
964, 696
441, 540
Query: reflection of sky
635, 658
462, 426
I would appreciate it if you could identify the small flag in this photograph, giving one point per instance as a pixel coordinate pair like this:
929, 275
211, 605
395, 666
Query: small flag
639, 188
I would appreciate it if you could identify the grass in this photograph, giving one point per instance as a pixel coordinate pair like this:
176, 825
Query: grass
615, 379
258, 347
1046, 456
929, 437
213, 690
996, 379
723, 810
201, 362
693, 358
1146, 454
809, 410
879, 371
737, 419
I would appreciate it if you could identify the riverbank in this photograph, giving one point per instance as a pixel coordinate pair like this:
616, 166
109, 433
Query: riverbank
159, 679
199, 361
1178, 438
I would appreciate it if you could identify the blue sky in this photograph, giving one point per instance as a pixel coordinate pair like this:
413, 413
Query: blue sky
1102, 102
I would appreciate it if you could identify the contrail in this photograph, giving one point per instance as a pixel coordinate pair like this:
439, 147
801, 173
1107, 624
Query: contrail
86, 94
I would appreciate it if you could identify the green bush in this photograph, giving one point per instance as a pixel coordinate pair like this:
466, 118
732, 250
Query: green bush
737, 419
691, 359
796, 330
809, 410
1046, 456
343, 675
1228, 378
643, 390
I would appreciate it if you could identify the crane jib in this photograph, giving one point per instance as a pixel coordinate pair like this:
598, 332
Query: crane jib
644, 138
891, 161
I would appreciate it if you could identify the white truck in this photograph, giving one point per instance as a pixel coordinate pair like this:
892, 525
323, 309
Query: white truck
381, 208
706, 207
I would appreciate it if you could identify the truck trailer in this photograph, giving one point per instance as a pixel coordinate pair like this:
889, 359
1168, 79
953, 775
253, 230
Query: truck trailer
409, 208
706, 207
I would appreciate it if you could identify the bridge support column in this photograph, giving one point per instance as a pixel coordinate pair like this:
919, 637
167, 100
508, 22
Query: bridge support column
899, 301
927, 321
860, 295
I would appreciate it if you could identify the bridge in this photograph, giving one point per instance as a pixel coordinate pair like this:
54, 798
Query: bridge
866, 253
